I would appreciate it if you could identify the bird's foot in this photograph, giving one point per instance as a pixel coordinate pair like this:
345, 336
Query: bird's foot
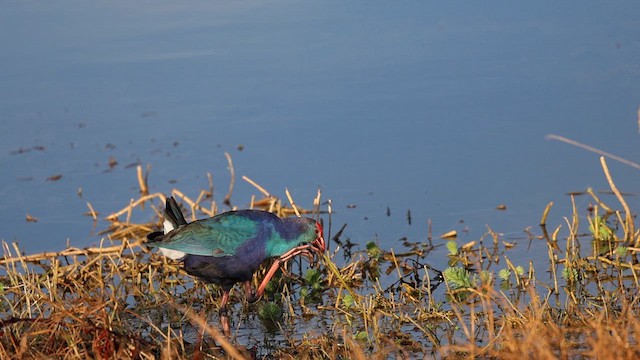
224, 323
251, 295
251, 298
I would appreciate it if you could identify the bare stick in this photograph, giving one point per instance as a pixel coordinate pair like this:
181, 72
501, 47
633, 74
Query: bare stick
94, 215
629, 227
293, 204
260, 188
597, 199
67, 252
129, 210
227, 198
142, 181
316, 203
592, 149
113, 216
543, 220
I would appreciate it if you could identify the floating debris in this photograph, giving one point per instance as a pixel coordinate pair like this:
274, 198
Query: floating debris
54, 177
19, 151
112, 162
450, 234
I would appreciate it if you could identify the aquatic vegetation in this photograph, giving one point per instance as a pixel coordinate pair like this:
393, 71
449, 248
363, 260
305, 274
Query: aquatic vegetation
121, 300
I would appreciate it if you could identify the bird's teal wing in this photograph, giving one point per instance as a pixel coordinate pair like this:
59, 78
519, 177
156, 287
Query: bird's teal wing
218, 236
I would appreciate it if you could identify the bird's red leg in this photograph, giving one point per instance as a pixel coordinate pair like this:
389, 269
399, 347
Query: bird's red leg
303, 249
224, 319
248, 291
224, 301
267, 278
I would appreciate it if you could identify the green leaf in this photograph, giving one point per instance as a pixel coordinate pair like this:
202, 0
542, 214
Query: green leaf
457, 277
452, 246
270, 312
570, 274
600, 229
504, 274
373, 250
348, 301
362, 336
312, 276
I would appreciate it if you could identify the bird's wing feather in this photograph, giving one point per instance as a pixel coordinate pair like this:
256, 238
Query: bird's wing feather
218, 236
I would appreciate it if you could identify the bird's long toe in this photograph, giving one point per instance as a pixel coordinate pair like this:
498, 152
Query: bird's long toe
252, 298
224, 323
249, 293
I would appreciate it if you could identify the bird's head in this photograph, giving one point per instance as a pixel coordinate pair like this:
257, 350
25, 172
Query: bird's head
314, 250
306, 239
318, 244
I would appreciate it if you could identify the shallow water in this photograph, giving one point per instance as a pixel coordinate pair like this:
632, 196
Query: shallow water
437, 109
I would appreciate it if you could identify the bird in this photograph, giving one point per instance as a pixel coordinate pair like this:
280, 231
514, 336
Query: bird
228, 248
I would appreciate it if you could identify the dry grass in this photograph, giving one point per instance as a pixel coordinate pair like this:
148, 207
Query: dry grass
120, 301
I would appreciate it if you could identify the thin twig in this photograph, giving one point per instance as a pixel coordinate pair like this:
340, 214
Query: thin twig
227, 198
142, 180
629, 226
116, 249
543, 220
92, 212
260, 188
293, 204
592, 149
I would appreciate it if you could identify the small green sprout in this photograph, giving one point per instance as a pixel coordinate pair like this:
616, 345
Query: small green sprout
570, 274
457, 277
373, 250
348, 301
504, 274
452, 246
622, 251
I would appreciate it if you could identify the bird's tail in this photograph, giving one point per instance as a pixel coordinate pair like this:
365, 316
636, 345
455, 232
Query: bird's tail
173, 217
154, 237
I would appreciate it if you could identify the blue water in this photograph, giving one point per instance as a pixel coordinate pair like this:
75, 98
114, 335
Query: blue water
437, 108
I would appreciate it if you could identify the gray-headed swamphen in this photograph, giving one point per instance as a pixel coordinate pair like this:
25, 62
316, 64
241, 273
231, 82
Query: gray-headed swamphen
229, 247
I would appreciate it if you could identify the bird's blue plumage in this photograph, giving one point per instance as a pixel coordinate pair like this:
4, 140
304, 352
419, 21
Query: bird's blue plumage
229, 247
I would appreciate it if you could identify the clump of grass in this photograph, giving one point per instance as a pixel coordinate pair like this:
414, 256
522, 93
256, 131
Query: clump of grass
119, 300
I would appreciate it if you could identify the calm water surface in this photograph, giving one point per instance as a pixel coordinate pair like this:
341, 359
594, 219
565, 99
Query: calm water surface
437, 108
